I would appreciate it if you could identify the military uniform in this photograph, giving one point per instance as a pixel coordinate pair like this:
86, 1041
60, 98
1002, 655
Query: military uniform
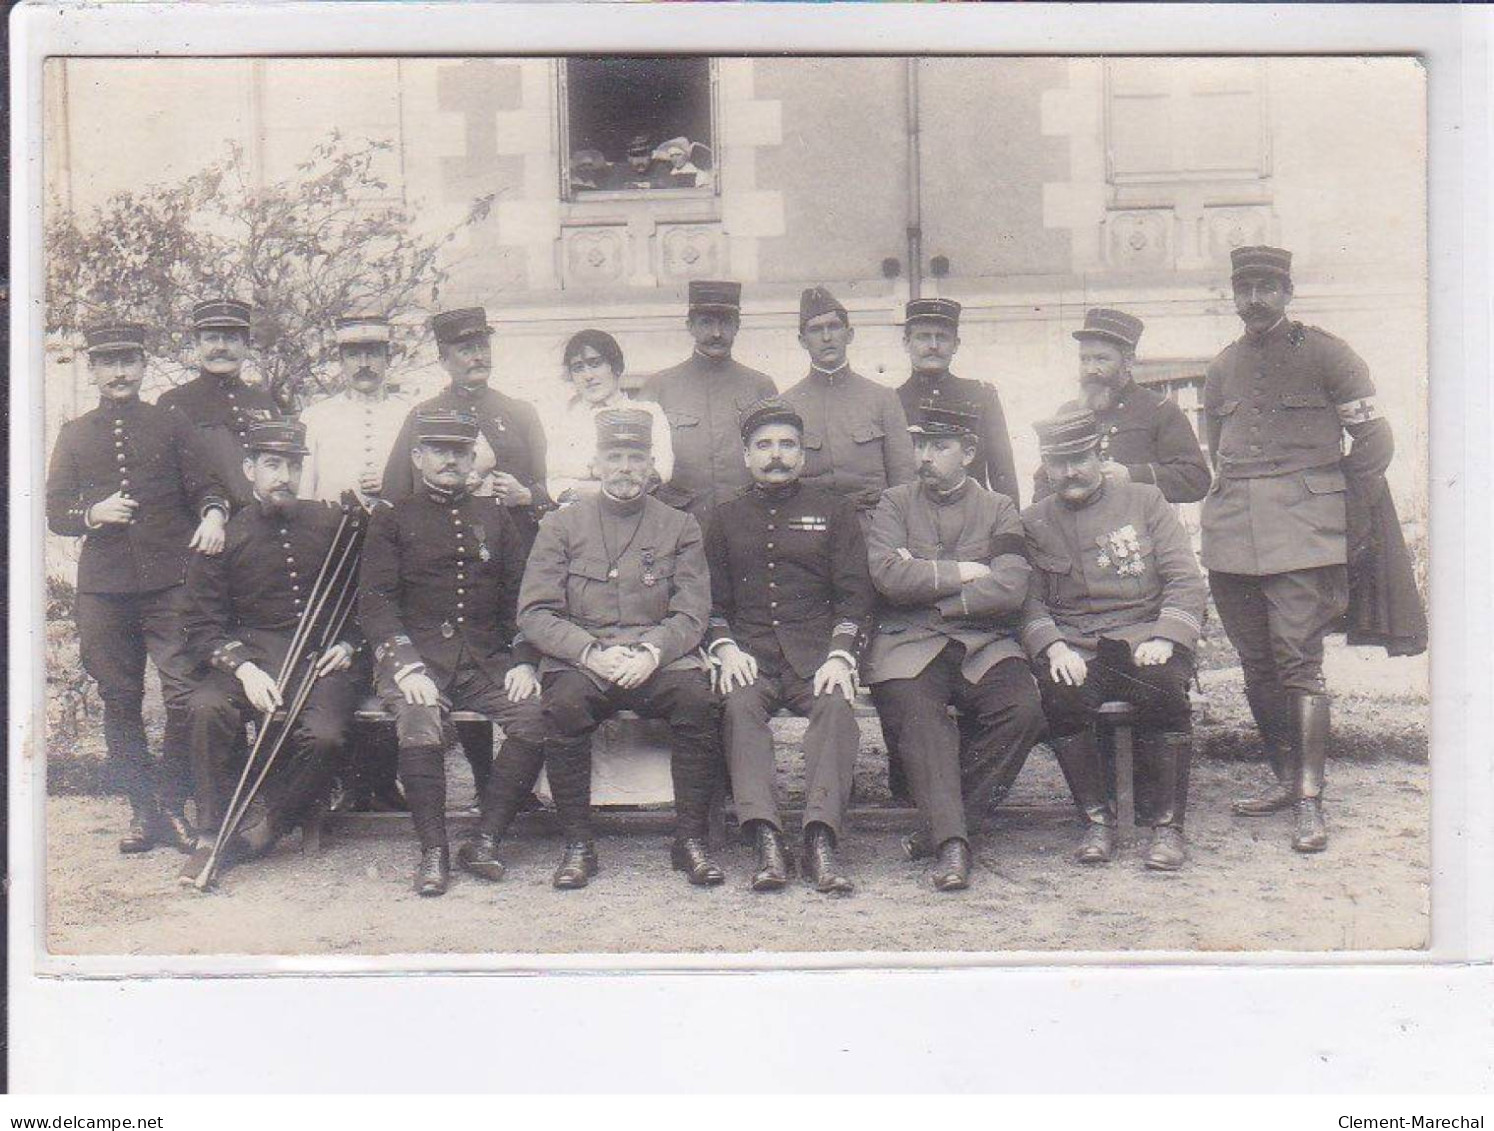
222, 408
437, 594
1274, 523
130, 595
243, 607
940, 642
606, 572
1141, 429
1110, 574
704, 400
855, 432
993, 467
789, 586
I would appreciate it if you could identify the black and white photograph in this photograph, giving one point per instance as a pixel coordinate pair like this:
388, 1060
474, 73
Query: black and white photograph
735, 504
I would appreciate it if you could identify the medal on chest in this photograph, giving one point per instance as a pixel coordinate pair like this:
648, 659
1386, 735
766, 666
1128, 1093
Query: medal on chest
481, 534
649, 577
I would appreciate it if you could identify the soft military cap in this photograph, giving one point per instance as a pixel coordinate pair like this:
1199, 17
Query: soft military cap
1068, 433
221, 314
284, 437
817, 301
458, 325
769, 410
947, 419
715, 294
1260, 260
1112, 325
111, 337
358, 329
625, 428
445, 425
937, 309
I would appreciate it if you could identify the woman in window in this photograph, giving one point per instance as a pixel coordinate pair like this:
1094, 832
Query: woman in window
593, 366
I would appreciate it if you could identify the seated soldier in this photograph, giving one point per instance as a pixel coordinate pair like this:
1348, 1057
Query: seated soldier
947, 556
243, 609
1117, 607
616, 596
437, 594
791, 598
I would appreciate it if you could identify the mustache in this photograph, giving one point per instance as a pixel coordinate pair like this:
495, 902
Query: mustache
775, 465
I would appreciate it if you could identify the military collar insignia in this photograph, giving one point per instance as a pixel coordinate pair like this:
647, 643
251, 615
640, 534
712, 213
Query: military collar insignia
1296, 334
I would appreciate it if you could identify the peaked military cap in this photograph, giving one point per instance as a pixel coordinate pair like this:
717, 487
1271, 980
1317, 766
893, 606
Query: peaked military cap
286, 437
625, 428
769, 410
108, 337
445, 424
458, 325
1260, 260
959, 418
1112, 325
709, 294
817, 301
639, 146
1068, 433
355, 329
939, 309
220, 314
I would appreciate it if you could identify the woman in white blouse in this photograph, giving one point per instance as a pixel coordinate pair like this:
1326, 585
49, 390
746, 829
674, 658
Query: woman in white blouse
593, 366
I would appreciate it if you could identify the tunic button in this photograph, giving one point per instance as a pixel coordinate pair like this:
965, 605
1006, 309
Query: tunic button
460, 605
461, 620
772, 604
770, 565
772, 527
770, 545
775, 624
124, 482
772, 585
296, 589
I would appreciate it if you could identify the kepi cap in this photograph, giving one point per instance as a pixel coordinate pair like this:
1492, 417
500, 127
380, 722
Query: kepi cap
110, 337
356, 329
221, 314
639, 146
939, 309
1113, 325
769, 410
455, 325
715, 294
625, 428
286, 437
817, 301
1260, 260
948, 418
1068, 433
445, 424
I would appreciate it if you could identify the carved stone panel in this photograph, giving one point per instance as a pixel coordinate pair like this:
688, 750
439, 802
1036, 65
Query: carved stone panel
1139, 238
691, 251
1228, 228
595, 255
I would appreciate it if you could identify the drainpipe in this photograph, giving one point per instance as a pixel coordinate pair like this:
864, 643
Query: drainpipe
915, 195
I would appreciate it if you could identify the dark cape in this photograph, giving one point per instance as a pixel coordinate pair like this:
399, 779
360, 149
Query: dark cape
1385, 607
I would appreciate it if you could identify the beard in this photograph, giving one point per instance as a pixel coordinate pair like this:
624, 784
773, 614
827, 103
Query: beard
1096, 395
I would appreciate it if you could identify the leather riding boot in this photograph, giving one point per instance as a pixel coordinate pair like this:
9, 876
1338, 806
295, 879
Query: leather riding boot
479, 855
952, 869
772, 861
423, 770
1079, 759
821, 868
477, 745
689, 855
1166, 758
1311, 742
1270, 709
433, 876
568, 764
515, 769
578, 865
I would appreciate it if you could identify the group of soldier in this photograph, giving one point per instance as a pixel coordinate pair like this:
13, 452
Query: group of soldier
841, 534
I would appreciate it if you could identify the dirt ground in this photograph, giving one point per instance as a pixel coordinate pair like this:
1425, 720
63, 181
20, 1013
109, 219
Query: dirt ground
1243, 888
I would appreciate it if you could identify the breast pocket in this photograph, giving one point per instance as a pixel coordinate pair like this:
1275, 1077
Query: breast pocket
654, 584
869, 433
682, 420
587, 590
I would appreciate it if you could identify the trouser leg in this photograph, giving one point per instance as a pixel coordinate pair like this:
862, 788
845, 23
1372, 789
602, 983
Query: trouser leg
685, 699
215, 727
111, 646
830, 745
1245, 614
519, 757
749, 749
1007, 720
477, 744
163, 626
929, 740
316, 750
573, 707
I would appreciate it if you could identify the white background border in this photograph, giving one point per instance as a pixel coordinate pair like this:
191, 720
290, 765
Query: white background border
1312, 1023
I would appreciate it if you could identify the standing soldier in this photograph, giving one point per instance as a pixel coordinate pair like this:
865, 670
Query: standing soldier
791, 599
855, 433
704, 398
1144, 437
948, 558
616, 596
217, 400
1117, 608
244, 606
510, 459
437, 597
1279, 400
931, 335
131, 480
351, 433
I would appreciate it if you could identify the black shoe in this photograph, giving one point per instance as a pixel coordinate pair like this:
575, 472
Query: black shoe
139, 838
433, 876
918, 845
1098, 845
772, 862
479, 855
1278, 799
173, 828
952, 871
577, 866
820, 865
1166, 853
1312, 833
689, 856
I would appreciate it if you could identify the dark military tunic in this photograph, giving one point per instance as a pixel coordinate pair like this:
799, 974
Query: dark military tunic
705, 401
856, 441
993, 466
508, 426
222, 408
1148, 434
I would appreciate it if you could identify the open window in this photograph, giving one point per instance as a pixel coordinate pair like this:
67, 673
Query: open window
637, 126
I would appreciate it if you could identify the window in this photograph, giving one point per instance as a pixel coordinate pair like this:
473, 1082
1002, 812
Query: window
637, 126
